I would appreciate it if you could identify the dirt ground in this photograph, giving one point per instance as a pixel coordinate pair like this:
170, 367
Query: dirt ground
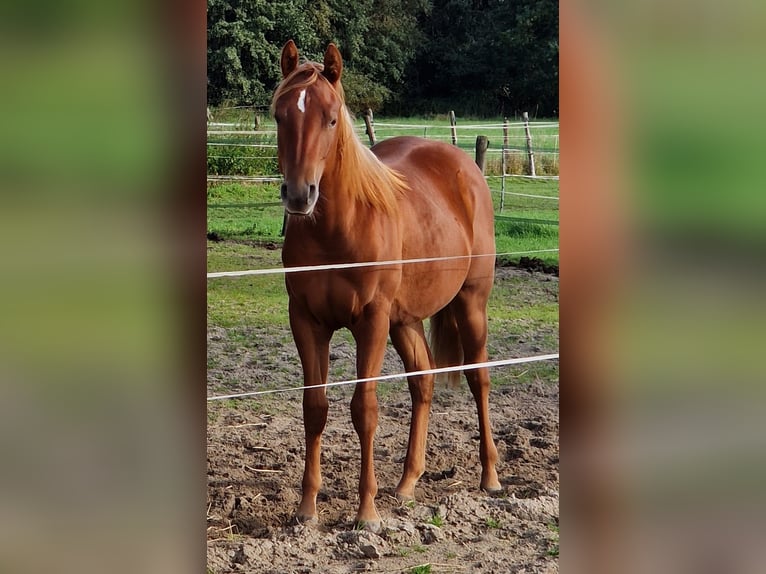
255, 464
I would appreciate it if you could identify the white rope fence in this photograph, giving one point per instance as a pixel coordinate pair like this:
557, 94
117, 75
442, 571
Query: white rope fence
547, 125
226, 144
469, 367
283, 270
277, 177
259, 179
530, 195
243, 130
334, 266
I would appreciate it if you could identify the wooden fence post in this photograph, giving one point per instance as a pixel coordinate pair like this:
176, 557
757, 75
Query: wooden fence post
530, 153
482, 143
368, 123
504, 163
453, 126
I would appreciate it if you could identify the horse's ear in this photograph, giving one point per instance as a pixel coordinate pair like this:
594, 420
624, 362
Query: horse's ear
333, 64
289, 60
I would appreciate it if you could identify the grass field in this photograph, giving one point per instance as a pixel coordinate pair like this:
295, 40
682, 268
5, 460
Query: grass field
252, 212
255, 301
244, 211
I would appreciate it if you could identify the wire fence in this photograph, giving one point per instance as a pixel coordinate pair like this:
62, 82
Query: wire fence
515, 150
379, 378
396, 376
524, 148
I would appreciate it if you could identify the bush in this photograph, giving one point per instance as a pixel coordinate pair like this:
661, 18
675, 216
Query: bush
239, 160
362, 93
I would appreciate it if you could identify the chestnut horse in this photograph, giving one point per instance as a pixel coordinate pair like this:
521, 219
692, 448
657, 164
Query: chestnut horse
406, 198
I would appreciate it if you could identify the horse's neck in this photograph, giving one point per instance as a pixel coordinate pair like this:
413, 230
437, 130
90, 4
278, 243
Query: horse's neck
342, 208
338, 215
339, 229
344, 222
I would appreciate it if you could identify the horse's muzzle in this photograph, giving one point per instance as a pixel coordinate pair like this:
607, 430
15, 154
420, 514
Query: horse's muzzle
300, 199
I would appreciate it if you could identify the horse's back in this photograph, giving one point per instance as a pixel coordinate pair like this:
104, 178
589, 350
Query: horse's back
408, 152
446, 187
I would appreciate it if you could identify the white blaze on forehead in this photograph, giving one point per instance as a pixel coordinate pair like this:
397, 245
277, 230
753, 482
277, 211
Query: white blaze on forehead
302, 101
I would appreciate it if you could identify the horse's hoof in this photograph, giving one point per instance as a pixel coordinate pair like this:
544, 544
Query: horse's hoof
374, 526
492, 488
405, 497
308, 520
489, 482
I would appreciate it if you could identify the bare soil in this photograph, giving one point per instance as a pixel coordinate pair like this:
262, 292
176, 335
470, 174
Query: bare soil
255, 464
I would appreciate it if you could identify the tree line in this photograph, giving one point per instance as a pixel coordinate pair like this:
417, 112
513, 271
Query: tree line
401, 57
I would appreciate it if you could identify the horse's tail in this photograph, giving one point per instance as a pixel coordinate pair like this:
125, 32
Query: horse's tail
446, 346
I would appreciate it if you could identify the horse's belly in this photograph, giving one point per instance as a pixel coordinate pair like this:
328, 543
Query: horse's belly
426, 288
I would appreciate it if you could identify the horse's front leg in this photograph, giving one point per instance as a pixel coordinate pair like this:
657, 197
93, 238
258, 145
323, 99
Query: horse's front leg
370, 335
313, 343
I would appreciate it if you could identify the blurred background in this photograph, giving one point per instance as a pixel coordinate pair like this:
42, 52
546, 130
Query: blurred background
102, 351
662, 313
102, 294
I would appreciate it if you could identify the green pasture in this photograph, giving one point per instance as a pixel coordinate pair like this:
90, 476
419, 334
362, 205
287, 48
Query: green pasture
252, 212
244, 211
250, 301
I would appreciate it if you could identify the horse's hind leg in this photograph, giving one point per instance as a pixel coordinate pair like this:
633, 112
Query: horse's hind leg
410, 342
470, 308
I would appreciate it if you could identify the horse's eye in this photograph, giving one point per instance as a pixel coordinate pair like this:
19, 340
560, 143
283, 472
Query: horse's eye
333, 122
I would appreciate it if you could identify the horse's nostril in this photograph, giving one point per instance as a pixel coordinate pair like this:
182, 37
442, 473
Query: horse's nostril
312, 190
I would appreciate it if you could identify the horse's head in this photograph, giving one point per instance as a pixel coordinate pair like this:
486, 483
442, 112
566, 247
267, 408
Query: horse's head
307, 107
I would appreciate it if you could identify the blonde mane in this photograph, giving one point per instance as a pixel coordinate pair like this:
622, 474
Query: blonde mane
359, 173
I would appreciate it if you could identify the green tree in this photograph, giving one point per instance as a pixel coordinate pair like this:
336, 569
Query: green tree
244, 41
487, 57
377, 39
530, 79
483, 57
